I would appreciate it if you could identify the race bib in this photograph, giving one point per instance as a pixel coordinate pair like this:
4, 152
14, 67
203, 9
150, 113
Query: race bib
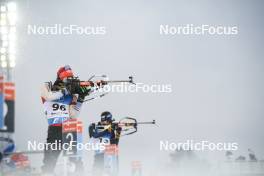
57, 112
99, 142
111, 159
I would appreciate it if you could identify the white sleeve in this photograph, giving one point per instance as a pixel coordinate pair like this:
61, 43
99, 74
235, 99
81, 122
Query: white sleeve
49, 95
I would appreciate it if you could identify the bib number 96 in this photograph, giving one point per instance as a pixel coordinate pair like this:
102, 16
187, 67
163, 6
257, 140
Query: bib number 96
57, 107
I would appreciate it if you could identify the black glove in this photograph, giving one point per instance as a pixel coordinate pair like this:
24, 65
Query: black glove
72, 87
82, 92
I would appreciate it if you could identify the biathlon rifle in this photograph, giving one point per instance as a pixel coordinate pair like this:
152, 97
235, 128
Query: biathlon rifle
77, 82
96, 82
129, 125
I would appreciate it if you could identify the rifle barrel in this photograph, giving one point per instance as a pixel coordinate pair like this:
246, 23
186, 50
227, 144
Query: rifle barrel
146, 123
141, 123
117, 81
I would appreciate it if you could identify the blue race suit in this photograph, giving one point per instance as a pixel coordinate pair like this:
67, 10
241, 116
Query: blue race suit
104, 136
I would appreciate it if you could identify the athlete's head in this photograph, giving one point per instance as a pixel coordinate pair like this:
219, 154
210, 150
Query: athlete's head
64, 73
106, 117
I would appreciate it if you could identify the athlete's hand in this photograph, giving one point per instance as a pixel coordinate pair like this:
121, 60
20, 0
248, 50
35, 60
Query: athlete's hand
72, 88
108, 128
100, 83
82, 92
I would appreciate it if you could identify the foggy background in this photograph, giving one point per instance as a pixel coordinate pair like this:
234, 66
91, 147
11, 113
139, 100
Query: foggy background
217, 81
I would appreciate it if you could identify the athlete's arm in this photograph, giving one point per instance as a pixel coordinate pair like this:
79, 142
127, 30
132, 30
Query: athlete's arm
93, 133
117, 135
75, 107
49, 95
